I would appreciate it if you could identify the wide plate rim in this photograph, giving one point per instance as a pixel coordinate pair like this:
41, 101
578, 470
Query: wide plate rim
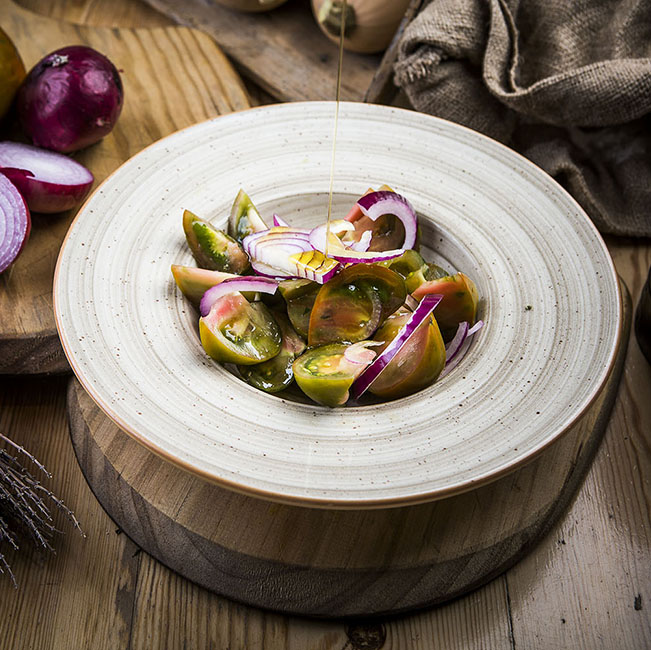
370, 503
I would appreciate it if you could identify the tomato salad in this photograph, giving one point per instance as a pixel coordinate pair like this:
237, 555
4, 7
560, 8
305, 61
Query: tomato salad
341, 309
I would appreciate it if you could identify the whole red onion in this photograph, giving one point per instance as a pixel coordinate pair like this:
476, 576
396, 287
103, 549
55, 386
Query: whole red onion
70, 99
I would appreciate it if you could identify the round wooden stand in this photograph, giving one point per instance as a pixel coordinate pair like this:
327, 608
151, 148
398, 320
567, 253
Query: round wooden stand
331, 563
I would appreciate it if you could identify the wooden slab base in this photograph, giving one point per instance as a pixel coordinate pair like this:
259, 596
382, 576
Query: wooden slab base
330, 563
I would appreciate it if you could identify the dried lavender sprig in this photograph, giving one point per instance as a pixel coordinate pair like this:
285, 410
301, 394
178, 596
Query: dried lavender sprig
23, 502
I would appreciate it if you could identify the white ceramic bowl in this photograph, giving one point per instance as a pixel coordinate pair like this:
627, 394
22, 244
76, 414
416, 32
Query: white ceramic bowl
549, 297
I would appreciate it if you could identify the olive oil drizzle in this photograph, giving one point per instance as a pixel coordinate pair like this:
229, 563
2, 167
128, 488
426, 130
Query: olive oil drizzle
342, 31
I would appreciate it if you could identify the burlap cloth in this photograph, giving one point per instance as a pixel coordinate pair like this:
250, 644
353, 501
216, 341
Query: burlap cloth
567, 83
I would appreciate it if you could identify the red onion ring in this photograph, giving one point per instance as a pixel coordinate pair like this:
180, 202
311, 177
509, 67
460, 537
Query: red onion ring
244, 283
376, 204
15, 223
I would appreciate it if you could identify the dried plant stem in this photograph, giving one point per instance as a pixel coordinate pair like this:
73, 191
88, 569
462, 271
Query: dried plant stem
25, 503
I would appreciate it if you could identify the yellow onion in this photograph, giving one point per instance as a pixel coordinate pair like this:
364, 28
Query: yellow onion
12, 72
370, 24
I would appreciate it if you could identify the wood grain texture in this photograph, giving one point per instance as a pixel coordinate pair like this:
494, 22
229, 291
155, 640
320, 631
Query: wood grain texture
607, 533
509, 613
45, 611
124, 13
283, 50
173, 77
329, 563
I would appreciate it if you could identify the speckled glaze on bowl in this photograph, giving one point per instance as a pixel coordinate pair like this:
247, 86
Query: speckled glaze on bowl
549, 298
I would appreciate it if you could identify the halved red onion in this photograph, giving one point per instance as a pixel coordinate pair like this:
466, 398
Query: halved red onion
370, 374
280, 222
456, 349
49, 181
15, 223
245, 283
377, 204
359, 352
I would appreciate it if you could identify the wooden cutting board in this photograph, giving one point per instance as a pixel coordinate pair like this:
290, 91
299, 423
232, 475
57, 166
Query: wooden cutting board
324, 562
173, 77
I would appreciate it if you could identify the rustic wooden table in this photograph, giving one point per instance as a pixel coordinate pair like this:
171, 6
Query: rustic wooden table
585, 586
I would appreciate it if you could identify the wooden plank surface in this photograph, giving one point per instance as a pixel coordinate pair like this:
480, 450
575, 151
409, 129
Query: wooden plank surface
283, 50
173, 77
585, 586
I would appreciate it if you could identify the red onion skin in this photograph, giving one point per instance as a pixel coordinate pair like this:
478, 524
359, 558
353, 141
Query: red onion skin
70, 99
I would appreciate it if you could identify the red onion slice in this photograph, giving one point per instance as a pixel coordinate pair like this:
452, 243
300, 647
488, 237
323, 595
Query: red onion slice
453, 347
337, 249
49, 181
318, 235
454, 356
377, 204
290, 253
280, 222
245, 283
266, 271
15, 223
422, 312
364, 242
360, 353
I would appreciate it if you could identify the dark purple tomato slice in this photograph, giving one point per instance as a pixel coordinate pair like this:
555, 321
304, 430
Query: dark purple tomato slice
237, 331
351, 306
416, 365
325, 375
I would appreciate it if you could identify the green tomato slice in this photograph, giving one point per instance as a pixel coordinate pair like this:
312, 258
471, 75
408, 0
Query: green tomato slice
276, 374
212, 248
460, 298
194, 282
406, 264
245, 218
299, 296
351, 306
325, 375
416, 365
237, 331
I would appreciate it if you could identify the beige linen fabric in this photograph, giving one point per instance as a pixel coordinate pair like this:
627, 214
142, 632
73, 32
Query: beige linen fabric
567, 83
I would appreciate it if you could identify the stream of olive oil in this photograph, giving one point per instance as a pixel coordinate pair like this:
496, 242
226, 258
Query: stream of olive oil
336, 126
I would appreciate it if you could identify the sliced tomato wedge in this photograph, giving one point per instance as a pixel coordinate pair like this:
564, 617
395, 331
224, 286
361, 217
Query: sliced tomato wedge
460, 298
325, 375
299, 296
276, 374
418, 363
237, 331
351, 306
